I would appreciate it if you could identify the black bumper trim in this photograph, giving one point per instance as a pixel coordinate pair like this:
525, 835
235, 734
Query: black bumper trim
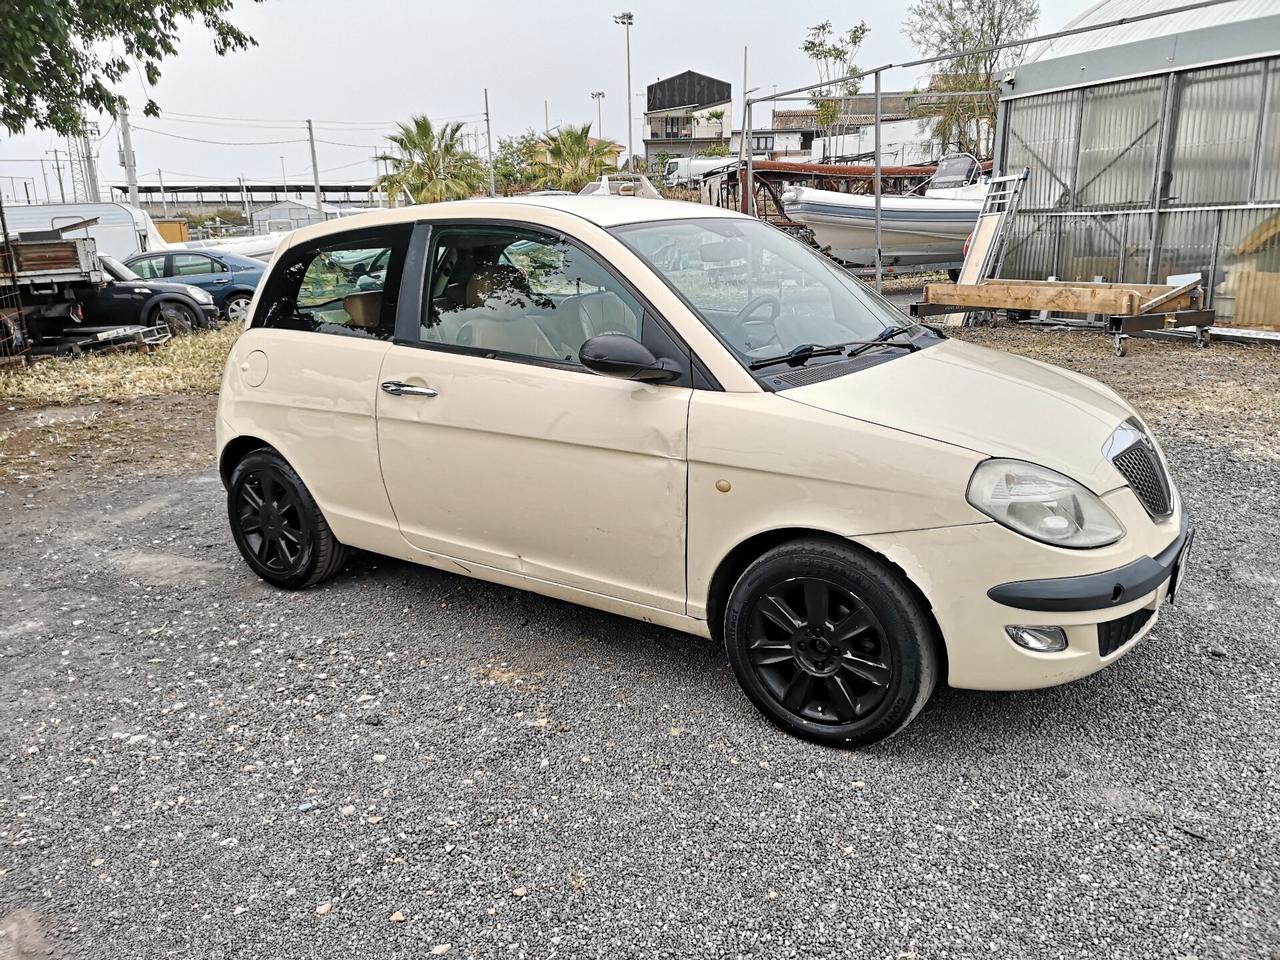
1094, 591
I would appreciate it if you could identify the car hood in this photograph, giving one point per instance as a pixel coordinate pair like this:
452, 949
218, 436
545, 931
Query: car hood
988, 401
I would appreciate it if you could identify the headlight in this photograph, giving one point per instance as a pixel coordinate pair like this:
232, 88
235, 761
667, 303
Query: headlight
1042, 504
198, 295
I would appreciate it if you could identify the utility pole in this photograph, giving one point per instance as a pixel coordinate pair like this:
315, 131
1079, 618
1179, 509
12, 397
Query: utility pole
546, 116
244, 201
626, 19
164, 201
315, 170
57, 169
90, 165
284, 182
127, 159
44, 175
488, 139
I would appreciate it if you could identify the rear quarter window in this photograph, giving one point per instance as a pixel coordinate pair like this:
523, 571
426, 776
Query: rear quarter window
345, 284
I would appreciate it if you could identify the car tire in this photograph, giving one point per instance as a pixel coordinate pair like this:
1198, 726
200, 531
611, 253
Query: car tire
181, 319
236, 307
830, 644
279, 530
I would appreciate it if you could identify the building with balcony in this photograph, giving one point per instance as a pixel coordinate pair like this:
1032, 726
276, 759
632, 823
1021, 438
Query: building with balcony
686, 114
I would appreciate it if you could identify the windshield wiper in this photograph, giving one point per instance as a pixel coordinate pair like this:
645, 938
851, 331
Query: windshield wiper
805, 351
882, 339
797, 356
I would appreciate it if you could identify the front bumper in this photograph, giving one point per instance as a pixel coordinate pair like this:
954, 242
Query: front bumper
1095, 591
982, 578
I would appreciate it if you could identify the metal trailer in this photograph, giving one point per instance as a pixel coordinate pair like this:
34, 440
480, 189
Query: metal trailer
46, 279
1127, 309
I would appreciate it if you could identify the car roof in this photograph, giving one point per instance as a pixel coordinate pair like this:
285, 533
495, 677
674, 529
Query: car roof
211, 252
603, 211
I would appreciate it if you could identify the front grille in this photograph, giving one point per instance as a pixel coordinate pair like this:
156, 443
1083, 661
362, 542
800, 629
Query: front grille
1140, 465
1114, 634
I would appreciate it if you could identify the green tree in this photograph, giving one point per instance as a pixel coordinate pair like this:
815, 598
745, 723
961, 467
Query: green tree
431, 164
938, 27
833, 55
720, 149
571, 158
59, 58
515, 164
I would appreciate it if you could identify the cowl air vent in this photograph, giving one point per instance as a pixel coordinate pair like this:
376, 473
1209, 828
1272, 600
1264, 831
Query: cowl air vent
803, 376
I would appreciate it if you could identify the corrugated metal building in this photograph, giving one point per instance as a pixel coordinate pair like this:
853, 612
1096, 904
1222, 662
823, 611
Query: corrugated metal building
1154, 150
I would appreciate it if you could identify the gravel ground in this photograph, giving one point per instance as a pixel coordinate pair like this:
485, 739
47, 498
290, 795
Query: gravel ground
404, 761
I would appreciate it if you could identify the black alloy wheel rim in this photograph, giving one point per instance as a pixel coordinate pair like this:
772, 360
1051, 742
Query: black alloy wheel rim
818, 651
270, 519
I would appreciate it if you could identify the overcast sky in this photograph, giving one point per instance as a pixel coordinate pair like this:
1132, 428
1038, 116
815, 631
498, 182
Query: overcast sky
356, 68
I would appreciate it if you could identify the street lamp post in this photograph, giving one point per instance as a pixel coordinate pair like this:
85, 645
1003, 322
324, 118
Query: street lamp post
598, 96
626, 19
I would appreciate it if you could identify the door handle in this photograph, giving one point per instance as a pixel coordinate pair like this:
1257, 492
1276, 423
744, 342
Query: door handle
398, 389
223, 280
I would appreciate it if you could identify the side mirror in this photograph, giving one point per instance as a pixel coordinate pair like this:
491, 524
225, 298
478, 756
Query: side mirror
617, 355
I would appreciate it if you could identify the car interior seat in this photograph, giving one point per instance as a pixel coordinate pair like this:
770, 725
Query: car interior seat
364, 309
498, 297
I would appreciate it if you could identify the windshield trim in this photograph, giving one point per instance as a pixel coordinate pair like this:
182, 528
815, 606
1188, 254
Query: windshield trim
118, 270
621, 231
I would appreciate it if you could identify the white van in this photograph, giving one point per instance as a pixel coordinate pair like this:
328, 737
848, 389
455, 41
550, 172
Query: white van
121, 230
681, 171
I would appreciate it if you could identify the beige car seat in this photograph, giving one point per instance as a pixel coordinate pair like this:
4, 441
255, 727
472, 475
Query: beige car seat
604, 312
498, 297
364, 309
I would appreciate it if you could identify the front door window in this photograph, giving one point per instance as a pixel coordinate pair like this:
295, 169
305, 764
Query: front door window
522, 294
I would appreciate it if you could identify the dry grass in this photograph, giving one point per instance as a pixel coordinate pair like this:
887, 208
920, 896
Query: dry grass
183, 365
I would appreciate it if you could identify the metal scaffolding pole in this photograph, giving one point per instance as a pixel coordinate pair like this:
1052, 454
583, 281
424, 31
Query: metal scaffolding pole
879, 256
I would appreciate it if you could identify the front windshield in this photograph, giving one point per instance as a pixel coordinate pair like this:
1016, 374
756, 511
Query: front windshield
117, 269
764, 293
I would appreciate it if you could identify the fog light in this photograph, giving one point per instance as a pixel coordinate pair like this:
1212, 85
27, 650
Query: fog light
1039, 639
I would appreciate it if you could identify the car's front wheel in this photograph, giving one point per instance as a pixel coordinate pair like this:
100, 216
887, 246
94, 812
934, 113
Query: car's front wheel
181, 319
275, 522
236, 307
830, 644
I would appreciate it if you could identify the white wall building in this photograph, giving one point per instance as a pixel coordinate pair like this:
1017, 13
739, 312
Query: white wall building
291, 214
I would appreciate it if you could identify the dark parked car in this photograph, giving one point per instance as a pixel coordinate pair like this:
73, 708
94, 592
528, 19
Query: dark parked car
128, 298
228, 278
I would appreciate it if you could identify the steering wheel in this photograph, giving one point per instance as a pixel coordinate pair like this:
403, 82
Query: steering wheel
755, 303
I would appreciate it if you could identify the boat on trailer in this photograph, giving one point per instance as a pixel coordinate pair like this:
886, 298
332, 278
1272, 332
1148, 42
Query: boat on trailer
914, 229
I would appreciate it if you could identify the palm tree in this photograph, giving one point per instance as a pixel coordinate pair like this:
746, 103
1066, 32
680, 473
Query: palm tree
430, 163
572, 158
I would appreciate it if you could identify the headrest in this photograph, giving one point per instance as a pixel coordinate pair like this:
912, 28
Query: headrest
364, 309
501, 288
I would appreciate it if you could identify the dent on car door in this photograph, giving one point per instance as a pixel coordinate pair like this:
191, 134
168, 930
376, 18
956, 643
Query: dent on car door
305, 375
498, 448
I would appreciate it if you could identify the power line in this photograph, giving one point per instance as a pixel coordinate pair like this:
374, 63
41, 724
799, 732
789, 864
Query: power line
224, 143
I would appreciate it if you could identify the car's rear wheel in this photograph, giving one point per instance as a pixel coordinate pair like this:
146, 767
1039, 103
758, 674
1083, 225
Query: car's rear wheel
181, 319
236, 307
277, 526
830, 644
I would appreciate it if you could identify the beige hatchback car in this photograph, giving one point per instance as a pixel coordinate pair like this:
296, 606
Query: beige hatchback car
680, 414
